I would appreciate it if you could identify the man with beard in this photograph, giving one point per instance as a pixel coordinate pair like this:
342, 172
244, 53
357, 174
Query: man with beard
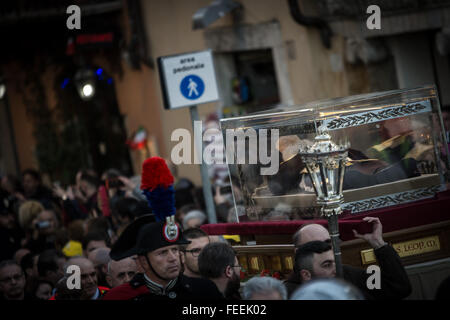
189, 254
218, 262
313, 260
12, 281
100, 258
158, 254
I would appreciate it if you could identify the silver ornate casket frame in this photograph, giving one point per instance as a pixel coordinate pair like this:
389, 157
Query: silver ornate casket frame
357, 200
378, 115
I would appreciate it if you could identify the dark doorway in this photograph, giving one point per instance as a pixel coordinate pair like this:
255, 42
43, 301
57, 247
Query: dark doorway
253, 83
93, 128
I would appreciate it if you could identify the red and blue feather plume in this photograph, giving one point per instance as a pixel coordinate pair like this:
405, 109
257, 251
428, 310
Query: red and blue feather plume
157, 186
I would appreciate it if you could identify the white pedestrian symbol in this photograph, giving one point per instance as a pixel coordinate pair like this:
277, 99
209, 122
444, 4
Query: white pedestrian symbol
192, 86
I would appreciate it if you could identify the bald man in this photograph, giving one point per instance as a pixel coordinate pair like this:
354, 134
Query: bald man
120, 272
89, 288
317, 232
394, 280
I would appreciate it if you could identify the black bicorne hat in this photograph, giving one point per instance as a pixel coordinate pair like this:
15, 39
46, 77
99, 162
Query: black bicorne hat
151, 232
145, 235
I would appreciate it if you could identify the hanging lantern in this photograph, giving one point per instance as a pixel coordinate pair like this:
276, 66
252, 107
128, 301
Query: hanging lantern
325, 162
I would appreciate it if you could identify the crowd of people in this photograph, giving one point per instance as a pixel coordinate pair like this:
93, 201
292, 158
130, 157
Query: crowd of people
45, 232
43, 226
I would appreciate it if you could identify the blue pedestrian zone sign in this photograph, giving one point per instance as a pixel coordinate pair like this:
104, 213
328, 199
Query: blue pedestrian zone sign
192, 87
188, 79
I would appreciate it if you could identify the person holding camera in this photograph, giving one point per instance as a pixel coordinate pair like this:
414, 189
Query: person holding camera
43, 232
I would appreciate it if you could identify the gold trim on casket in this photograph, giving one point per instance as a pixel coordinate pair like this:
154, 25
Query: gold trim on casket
407, 248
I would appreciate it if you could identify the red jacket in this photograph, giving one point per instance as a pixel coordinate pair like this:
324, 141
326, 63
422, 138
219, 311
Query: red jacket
125, 292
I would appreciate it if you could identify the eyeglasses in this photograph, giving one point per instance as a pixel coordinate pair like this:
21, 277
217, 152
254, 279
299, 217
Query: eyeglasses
9, 280
195, 252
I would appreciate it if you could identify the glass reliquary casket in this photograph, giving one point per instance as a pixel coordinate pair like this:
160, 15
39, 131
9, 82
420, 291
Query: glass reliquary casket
398, 153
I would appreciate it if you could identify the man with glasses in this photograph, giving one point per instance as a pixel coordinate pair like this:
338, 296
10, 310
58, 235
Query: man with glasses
218, 263
190, 252
12, 281
10, 235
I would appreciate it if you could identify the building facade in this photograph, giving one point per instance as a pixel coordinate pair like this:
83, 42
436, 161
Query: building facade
266, 53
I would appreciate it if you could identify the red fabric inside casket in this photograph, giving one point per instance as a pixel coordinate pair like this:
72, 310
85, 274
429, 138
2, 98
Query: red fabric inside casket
394, 218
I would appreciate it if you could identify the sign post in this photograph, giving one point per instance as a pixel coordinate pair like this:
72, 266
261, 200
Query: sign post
188, 80
207, 189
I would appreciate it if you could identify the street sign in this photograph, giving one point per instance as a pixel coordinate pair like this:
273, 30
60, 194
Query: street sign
188, 79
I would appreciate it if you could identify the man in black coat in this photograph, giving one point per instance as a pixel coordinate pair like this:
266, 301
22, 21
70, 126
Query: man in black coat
395, 283
156, 245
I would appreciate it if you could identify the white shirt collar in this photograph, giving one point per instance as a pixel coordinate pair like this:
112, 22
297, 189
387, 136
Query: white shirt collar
96, 295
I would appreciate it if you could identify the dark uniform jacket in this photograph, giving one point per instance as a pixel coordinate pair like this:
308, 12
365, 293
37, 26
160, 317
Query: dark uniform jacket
180, 288
394, 280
